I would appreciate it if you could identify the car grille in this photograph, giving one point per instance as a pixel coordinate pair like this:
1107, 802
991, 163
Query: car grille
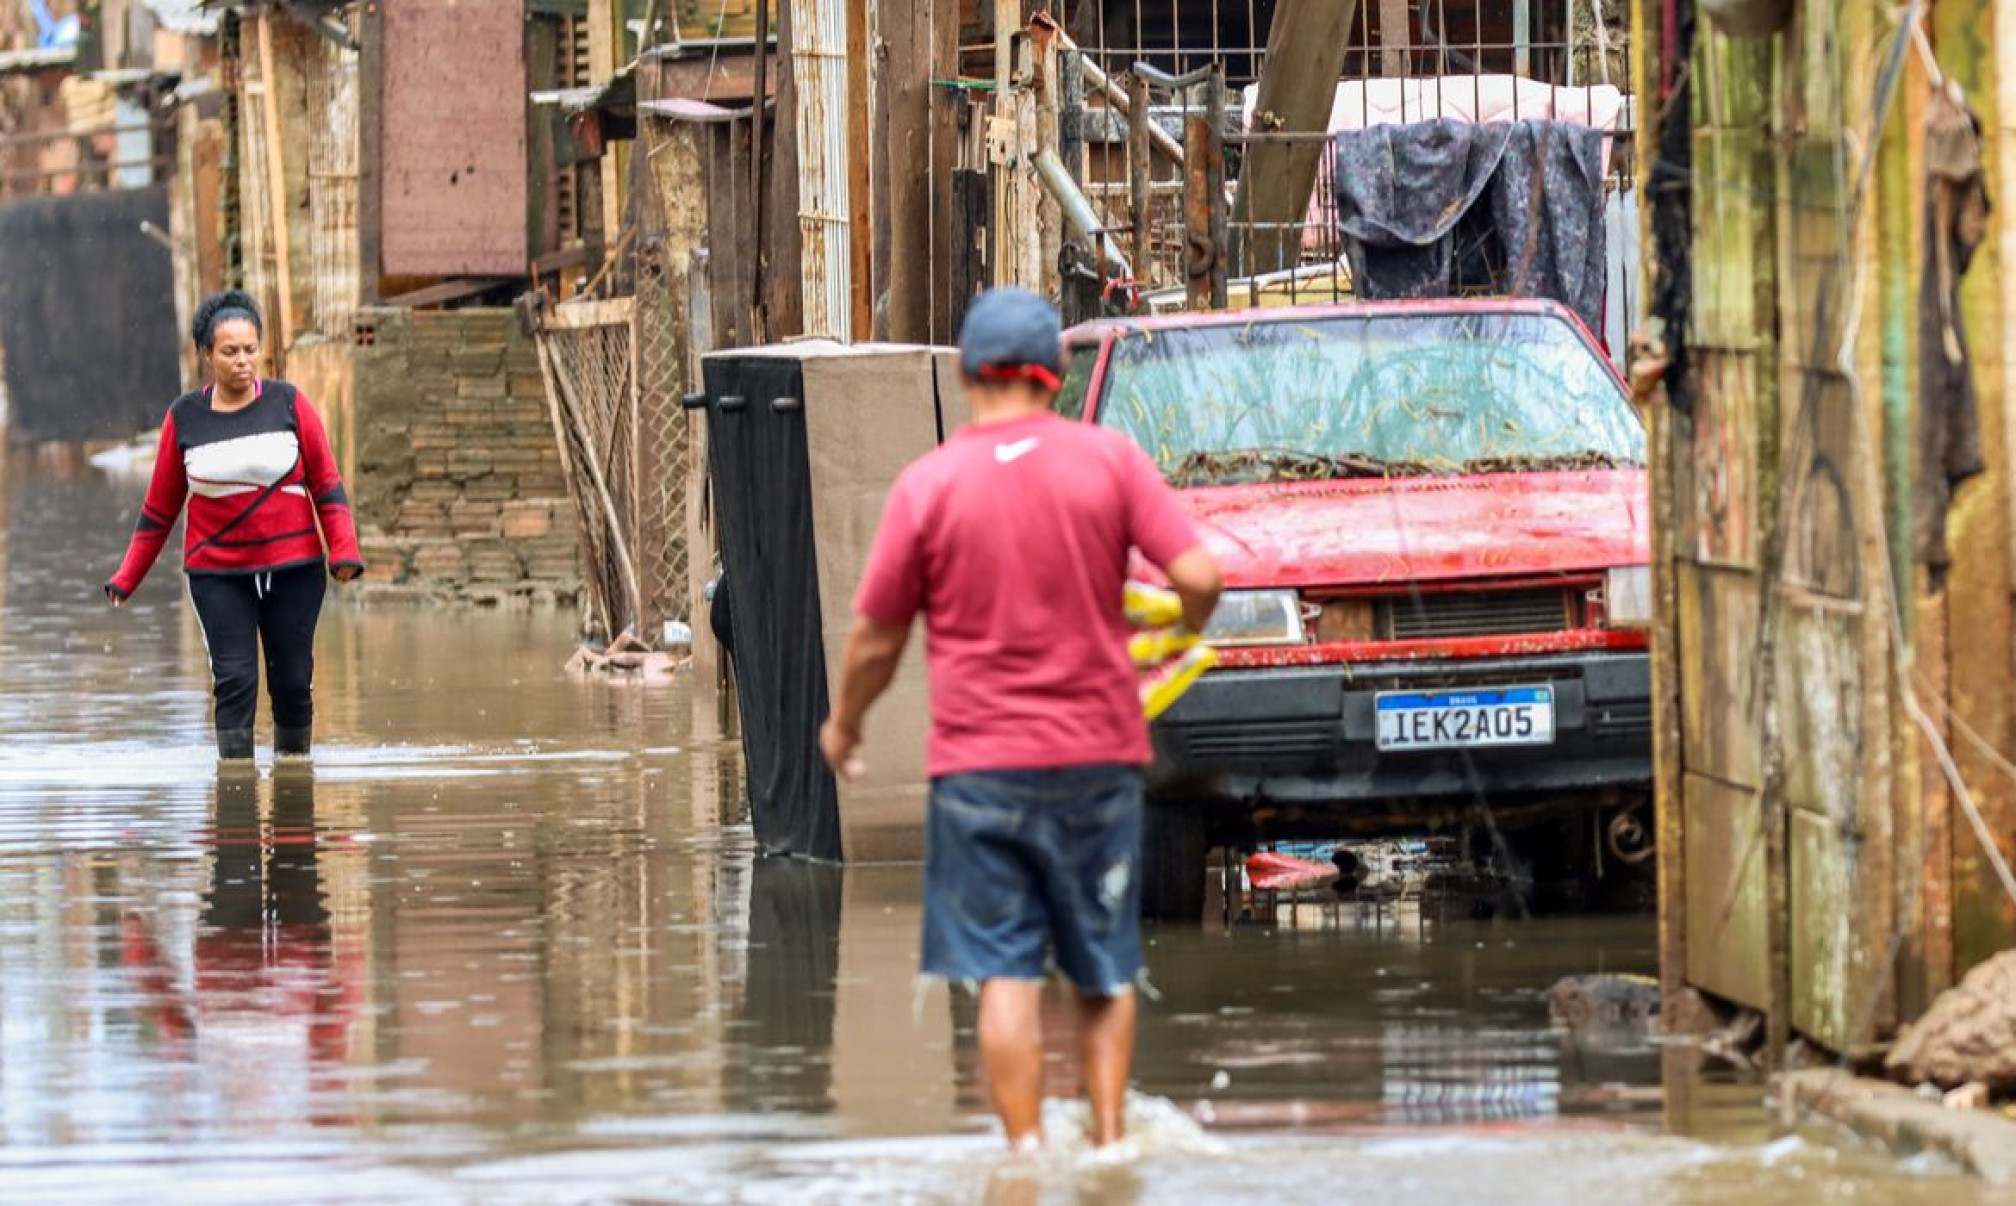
1248, 740
1631, 718
1475, 613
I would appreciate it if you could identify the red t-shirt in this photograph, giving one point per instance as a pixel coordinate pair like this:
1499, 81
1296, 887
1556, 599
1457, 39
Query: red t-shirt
1013, 540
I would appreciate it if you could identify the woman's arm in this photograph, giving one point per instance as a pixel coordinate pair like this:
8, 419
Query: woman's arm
325, 487
165, 496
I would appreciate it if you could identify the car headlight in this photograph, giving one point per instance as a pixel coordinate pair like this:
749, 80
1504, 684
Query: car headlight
1256, 617
1627, 597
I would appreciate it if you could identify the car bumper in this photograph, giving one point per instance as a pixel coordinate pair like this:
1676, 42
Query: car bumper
1306, 735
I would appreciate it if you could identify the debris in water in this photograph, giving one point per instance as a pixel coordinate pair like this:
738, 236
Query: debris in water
1613, 1002
1270, 871
627, 659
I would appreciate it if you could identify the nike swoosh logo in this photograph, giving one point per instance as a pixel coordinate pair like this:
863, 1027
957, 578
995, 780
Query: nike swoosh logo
1005, 453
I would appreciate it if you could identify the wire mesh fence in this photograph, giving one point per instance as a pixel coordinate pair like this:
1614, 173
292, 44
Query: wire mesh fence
662, 440
585, 352
1402, 61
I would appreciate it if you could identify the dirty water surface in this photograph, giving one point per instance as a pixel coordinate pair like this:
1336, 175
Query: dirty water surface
508, 940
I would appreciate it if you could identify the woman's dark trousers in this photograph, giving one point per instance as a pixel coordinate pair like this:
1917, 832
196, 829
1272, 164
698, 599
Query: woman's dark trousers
240, 613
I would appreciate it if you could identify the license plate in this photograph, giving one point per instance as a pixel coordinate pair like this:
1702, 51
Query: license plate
1441, 720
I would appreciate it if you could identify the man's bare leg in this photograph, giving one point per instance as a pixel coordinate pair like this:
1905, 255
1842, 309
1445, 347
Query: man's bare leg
1011, 1049
1106, 1047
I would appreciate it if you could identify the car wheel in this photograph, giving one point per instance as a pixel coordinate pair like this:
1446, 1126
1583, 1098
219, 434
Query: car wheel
1173, 850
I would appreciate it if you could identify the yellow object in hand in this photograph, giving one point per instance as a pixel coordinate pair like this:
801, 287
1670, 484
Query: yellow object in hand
1166, 685
1151, 649
1152, 606
1169, 656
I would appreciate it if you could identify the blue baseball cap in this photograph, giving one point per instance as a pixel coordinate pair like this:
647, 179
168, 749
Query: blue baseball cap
1011, 333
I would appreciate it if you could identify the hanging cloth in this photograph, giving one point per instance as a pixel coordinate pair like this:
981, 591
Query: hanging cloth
1956, 222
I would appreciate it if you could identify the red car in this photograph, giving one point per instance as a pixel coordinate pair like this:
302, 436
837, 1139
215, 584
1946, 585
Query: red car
1432, 518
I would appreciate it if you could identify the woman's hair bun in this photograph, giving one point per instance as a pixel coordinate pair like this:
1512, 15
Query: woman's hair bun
219, 307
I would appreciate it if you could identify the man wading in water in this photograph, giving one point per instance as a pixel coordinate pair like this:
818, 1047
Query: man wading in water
1013, 540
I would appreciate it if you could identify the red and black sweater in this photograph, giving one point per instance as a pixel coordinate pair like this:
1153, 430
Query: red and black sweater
261, 477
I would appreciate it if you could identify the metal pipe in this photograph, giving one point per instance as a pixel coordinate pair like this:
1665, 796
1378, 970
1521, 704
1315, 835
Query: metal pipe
1078, 211
1161, 139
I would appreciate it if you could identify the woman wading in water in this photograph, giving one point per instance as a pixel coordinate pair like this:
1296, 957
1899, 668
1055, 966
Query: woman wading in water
266, 496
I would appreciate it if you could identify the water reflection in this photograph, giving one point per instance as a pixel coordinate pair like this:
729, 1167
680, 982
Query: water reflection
784, 1021
509, 939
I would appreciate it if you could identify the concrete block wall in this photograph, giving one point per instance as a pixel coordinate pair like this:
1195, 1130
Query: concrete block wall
459, 490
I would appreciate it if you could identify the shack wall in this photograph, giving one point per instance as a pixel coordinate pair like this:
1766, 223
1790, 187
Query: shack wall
1815, 865
459, 488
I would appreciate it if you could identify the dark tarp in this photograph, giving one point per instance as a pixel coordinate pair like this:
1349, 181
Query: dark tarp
1428, 207
87, 315
1949, 425
763, 502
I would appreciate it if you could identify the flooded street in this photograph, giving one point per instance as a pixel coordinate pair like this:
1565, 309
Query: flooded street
508, 940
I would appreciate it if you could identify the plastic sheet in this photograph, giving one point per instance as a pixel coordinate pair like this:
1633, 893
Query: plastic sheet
1429, 206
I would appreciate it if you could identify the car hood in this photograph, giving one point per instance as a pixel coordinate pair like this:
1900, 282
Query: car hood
1357, 532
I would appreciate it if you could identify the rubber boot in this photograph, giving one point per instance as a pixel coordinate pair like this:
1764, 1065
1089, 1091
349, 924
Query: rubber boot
290, 741
234, 745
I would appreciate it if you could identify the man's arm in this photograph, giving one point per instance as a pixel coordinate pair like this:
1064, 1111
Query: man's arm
873, 652
1195, 578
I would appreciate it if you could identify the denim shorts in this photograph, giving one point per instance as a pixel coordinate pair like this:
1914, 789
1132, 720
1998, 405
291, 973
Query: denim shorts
1023, 868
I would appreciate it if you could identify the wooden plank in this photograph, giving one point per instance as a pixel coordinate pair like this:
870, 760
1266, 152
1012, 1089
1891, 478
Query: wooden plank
727, 79
1934, 971
542, 162
605, 40
943, 105
276, 205
860, 189
578, 315
577, 256
1306, 46
370, 141
446, 291
759, 142
1140, 174
904, 222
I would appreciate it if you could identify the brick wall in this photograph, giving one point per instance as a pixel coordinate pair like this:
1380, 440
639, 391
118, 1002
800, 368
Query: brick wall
459, 489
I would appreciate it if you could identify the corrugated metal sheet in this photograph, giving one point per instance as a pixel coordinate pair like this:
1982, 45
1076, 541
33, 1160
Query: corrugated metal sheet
453, 156
819, 55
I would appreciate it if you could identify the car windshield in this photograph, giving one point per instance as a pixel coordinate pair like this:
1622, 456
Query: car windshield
1364, 395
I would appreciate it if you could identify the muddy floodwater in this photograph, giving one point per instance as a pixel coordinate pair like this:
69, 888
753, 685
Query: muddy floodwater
509, 940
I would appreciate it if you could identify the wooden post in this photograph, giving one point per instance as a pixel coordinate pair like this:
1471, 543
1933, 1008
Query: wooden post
370, 134
1012, 142
942, 62
1669, 811
605, 47
1204, 201
759, 162
1140, 174
1394, 38
276, 184
1298, 84
1214, 177
1048, 114
861, 240
910, 171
